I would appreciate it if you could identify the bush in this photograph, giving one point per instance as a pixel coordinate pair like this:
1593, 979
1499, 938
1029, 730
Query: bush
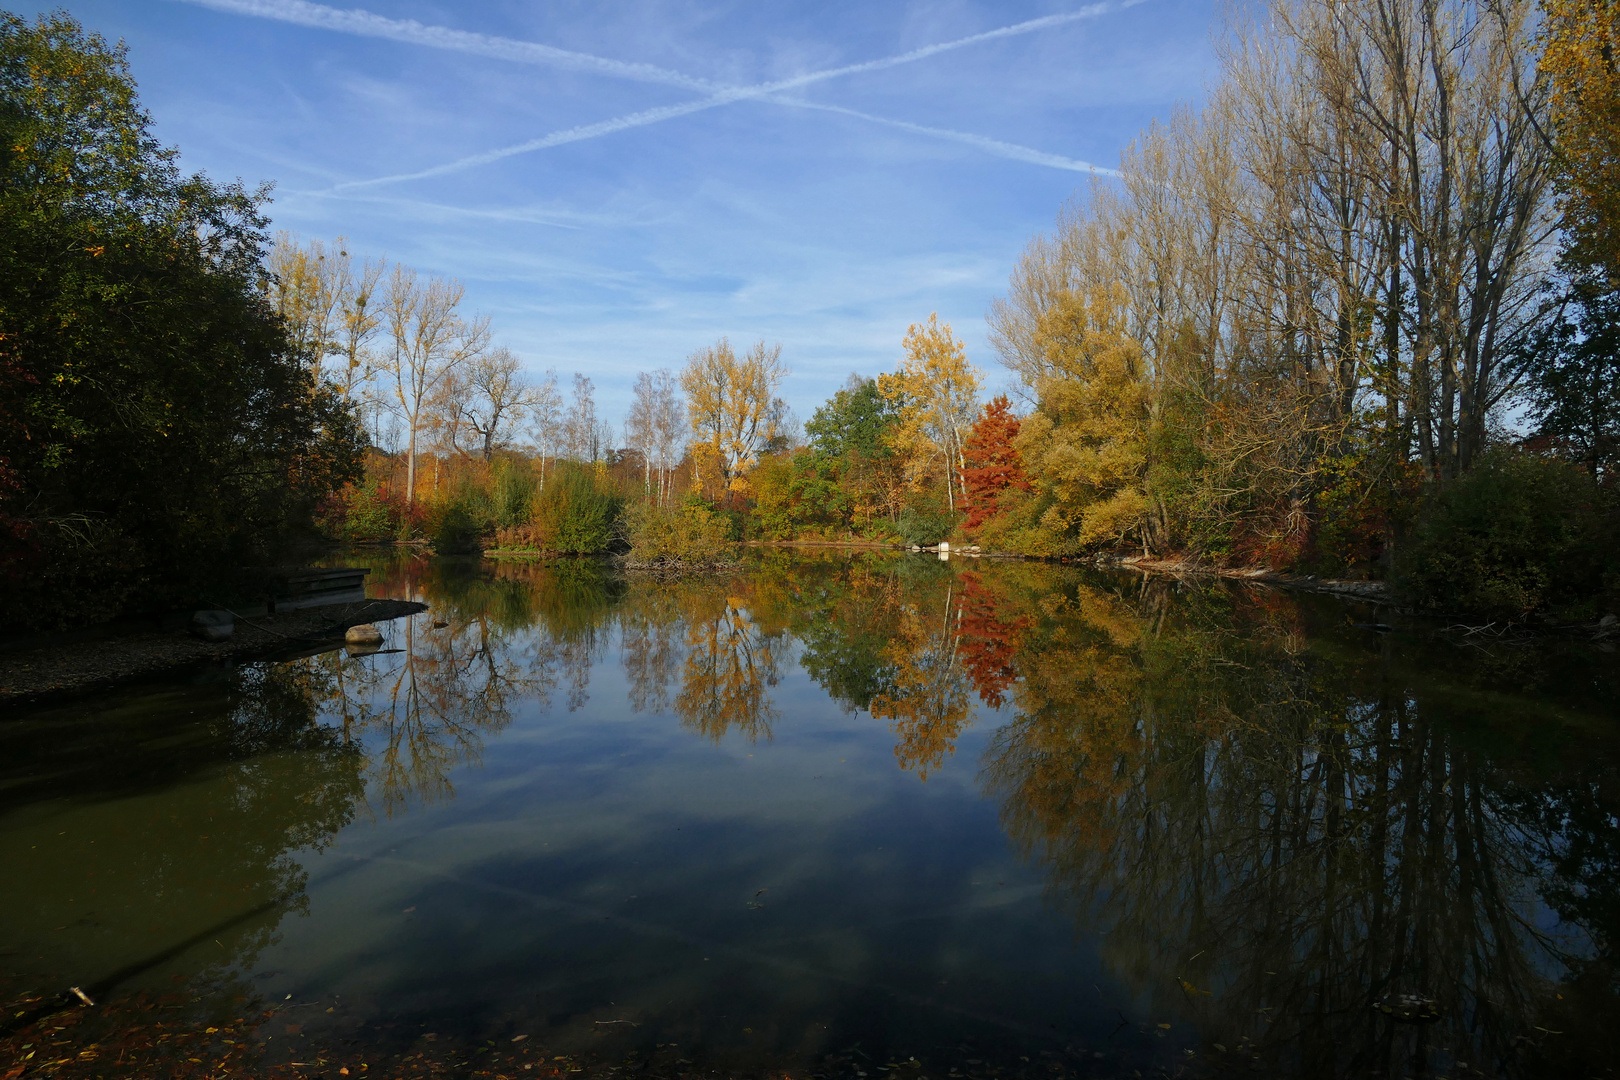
574, 513
374, 514
1517, 535
512, 493
458, 530
925, 525
694, 537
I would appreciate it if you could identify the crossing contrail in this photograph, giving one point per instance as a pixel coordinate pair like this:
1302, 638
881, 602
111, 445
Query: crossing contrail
366, 24
728, 95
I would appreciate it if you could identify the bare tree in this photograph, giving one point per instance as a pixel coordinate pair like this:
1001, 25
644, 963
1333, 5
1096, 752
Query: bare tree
579, 428
494, 396
545, 420
430, 341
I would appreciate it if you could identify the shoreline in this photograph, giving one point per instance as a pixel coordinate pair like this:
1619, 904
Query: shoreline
1377, 592
53, 669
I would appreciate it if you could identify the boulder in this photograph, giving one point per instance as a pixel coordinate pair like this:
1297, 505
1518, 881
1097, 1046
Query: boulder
364, 634
213, 625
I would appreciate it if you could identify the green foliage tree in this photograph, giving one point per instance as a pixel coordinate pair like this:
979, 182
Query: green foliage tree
157, 428
1519, 534
1573, 375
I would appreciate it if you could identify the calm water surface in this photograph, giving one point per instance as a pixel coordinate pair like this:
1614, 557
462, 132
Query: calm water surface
877, 807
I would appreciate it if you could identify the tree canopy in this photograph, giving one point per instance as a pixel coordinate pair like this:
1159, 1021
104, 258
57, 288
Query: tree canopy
158, 426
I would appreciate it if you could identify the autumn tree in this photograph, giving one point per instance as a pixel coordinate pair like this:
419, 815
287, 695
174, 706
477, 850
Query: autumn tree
732, 405
1086, 441
1341, 248
1581, 59
993, 465
934, 393
430, 341
655, 426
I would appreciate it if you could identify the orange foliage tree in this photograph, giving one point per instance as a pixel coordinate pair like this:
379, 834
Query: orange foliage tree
993, 462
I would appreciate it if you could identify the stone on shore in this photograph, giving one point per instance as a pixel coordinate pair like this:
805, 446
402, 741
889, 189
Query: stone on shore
364, 634
213, 625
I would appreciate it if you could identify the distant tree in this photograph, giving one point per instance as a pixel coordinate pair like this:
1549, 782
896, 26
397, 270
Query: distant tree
733, 407
934, 393
656, 425
993, 464
497, 395
158, 426
853, 422
579, 423
429, 341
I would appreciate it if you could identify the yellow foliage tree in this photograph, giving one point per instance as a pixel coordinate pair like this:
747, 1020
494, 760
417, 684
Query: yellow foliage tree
1086, 444
935, 393
1581, 58
734, 410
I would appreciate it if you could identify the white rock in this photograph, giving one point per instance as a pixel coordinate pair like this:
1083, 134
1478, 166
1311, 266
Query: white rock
364, 634
213, 625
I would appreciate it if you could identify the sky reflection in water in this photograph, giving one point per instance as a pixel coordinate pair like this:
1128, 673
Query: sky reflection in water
852, 800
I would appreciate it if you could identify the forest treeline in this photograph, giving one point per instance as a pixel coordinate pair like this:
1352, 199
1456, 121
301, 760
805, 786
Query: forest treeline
1355, 315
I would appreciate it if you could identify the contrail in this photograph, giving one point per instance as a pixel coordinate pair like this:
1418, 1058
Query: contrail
994, 146
730, 94
365, 24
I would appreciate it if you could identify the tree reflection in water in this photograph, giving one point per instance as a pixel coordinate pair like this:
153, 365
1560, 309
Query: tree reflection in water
148, 814
1279, 821
1278, 838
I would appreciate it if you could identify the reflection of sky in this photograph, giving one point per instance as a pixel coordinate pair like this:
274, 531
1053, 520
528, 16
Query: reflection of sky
600, 856
828, 218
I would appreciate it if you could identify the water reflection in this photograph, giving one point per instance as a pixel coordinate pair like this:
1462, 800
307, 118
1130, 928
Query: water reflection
1330, 852
133, 844
1300, 837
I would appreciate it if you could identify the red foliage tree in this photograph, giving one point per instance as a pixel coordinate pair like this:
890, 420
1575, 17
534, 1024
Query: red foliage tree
993, 464
990, 641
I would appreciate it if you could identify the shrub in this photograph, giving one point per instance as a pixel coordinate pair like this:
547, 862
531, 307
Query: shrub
372, 513
696, 536
512, 493
925, 524
575, 512
1516, 535
458, 529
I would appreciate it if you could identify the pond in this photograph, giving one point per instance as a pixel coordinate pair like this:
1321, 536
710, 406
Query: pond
838, 814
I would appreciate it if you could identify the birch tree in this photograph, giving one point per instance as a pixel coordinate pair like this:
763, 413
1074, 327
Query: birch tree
429, 342
655, 427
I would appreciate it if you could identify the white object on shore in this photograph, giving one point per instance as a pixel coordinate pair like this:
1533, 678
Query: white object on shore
364, 634
213, 625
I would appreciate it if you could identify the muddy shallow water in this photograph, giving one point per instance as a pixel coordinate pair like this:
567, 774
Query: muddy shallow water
840, 814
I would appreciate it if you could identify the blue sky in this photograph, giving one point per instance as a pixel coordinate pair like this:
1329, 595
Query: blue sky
711, 168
